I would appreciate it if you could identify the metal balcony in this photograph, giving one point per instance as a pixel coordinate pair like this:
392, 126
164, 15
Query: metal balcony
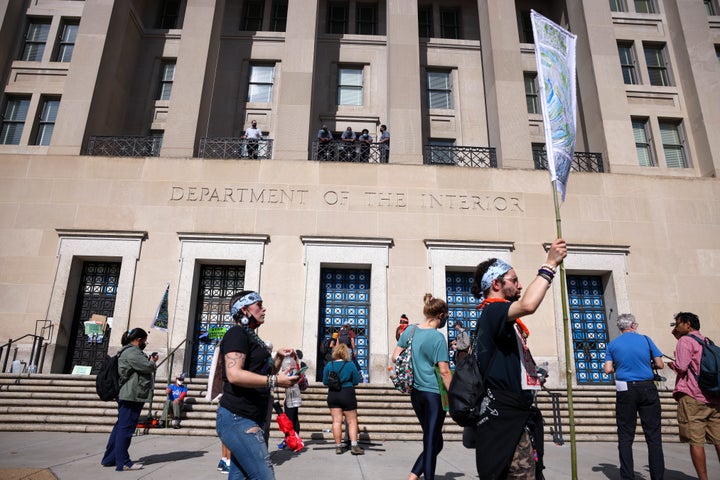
125, 146
234, 147
461, 156
338, 151
582, 162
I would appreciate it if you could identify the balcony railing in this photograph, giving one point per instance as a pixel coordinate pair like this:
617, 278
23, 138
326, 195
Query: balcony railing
338, 151
582, 162
125, 146
478, 157
234, 147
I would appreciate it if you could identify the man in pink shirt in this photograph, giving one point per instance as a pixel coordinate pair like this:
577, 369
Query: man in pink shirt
698, 412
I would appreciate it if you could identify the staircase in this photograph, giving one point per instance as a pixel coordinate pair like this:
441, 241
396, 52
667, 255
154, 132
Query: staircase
68, 403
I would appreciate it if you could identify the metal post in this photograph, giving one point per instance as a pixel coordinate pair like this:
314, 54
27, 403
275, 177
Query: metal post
7, 354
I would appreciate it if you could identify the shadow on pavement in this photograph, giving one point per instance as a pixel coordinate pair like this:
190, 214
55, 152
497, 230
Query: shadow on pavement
171, 457
612, 472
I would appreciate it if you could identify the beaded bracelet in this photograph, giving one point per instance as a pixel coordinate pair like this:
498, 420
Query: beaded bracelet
272, 381
549, 267
546, 277
547, 272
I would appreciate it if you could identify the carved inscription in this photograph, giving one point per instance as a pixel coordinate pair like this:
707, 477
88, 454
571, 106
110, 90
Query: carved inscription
397, 200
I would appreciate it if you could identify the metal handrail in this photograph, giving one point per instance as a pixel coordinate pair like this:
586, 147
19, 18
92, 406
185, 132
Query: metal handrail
235, 147
356, 152
460, 155
125, 146
582, 161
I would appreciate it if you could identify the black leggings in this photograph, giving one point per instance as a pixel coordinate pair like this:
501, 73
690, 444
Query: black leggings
429, 411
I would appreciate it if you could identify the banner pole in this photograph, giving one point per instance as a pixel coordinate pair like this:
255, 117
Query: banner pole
566, 334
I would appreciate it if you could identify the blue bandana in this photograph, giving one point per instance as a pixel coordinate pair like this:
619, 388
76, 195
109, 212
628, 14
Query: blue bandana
244, 301
497, 269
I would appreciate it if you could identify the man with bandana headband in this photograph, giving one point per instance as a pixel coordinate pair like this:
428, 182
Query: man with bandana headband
508, 437
250, 375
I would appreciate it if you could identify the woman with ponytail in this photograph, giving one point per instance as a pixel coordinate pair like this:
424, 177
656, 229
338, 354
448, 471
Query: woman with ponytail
429, 351
250, 375
136, 383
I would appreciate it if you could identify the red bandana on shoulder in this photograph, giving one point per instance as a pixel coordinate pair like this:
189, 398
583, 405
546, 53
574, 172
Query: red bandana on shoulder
518, 321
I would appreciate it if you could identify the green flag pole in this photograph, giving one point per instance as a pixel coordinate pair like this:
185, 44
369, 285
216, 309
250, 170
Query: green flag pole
566, 334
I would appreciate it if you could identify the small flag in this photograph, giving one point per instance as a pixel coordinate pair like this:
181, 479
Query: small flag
160, 321
555, 60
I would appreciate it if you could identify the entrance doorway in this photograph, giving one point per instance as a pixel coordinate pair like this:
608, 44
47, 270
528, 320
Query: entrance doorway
96, 295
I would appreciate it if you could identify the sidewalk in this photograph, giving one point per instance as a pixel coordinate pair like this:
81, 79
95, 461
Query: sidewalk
76, 456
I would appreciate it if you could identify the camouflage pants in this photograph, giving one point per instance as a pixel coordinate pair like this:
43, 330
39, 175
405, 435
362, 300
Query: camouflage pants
522, 466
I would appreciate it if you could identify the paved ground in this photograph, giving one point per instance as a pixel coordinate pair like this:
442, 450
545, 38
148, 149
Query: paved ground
76, 456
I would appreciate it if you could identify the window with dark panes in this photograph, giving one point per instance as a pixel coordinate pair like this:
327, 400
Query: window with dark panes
645, 6
450, 23
711, 7
337, 21
278, 16
46, 120
531, 92
439, 85
66, 40
169, 14
13, 119
673, 140
167, 77
252, 18
425, 22
526, 32
657, 65
618, 6
643, 144
628, 64
36, 38
366, 19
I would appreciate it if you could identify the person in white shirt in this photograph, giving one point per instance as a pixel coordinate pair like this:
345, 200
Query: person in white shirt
253, 135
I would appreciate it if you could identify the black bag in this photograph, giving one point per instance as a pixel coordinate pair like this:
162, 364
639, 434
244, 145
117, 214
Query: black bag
467, 389
334, 383
107, 382
708, 377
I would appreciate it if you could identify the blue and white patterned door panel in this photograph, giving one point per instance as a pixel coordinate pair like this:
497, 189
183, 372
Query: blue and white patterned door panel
345, 298
217, 284
461, 304
589, 328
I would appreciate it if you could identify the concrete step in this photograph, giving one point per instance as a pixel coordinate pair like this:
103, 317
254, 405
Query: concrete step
51, 402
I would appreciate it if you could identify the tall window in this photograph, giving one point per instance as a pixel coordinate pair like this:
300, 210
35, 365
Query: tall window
278, 16
645, 6
450, 26
673, 139
260, 86
337, 21
711, 7
350, 86
167, 77
252, 18
425, 22
13, 120
717, 52
366, 19
46, 120
531, 92
66, 41
655, 57
35, 39
628, 63
169, 14
643, 144
618, 6
526, 33
439, 85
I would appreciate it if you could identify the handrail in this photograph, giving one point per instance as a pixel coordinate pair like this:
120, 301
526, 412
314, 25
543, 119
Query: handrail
172, 352
10, 343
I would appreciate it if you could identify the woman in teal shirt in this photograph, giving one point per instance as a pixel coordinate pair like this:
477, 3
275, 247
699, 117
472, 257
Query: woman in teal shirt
429, 350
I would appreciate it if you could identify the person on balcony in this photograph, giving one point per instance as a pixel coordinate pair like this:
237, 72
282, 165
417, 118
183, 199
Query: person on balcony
365, 141
325, 138
384, 140
253, 135
348, 144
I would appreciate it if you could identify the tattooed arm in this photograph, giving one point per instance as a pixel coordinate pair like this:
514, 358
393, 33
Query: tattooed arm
237, 375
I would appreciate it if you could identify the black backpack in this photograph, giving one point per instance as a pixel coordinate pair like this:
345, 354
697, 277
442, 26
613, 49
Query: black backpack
344, 337
107, 382
709, 376
334, 383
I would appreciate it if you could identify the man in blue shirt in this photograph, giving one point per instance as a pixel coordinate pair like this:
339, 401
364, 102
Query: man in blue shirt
632, 357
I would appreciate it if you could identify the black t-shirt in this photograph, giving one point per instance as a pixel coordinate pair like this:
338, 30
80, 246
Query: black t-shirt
494, 331
247, 402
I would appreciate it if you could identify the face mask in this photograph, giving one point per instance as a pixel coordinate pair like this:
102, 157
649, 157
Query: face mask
142, 345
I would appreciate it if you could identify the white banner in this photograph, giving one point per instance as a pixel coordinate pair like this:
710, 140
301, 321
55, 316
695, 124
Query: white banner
555, 59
